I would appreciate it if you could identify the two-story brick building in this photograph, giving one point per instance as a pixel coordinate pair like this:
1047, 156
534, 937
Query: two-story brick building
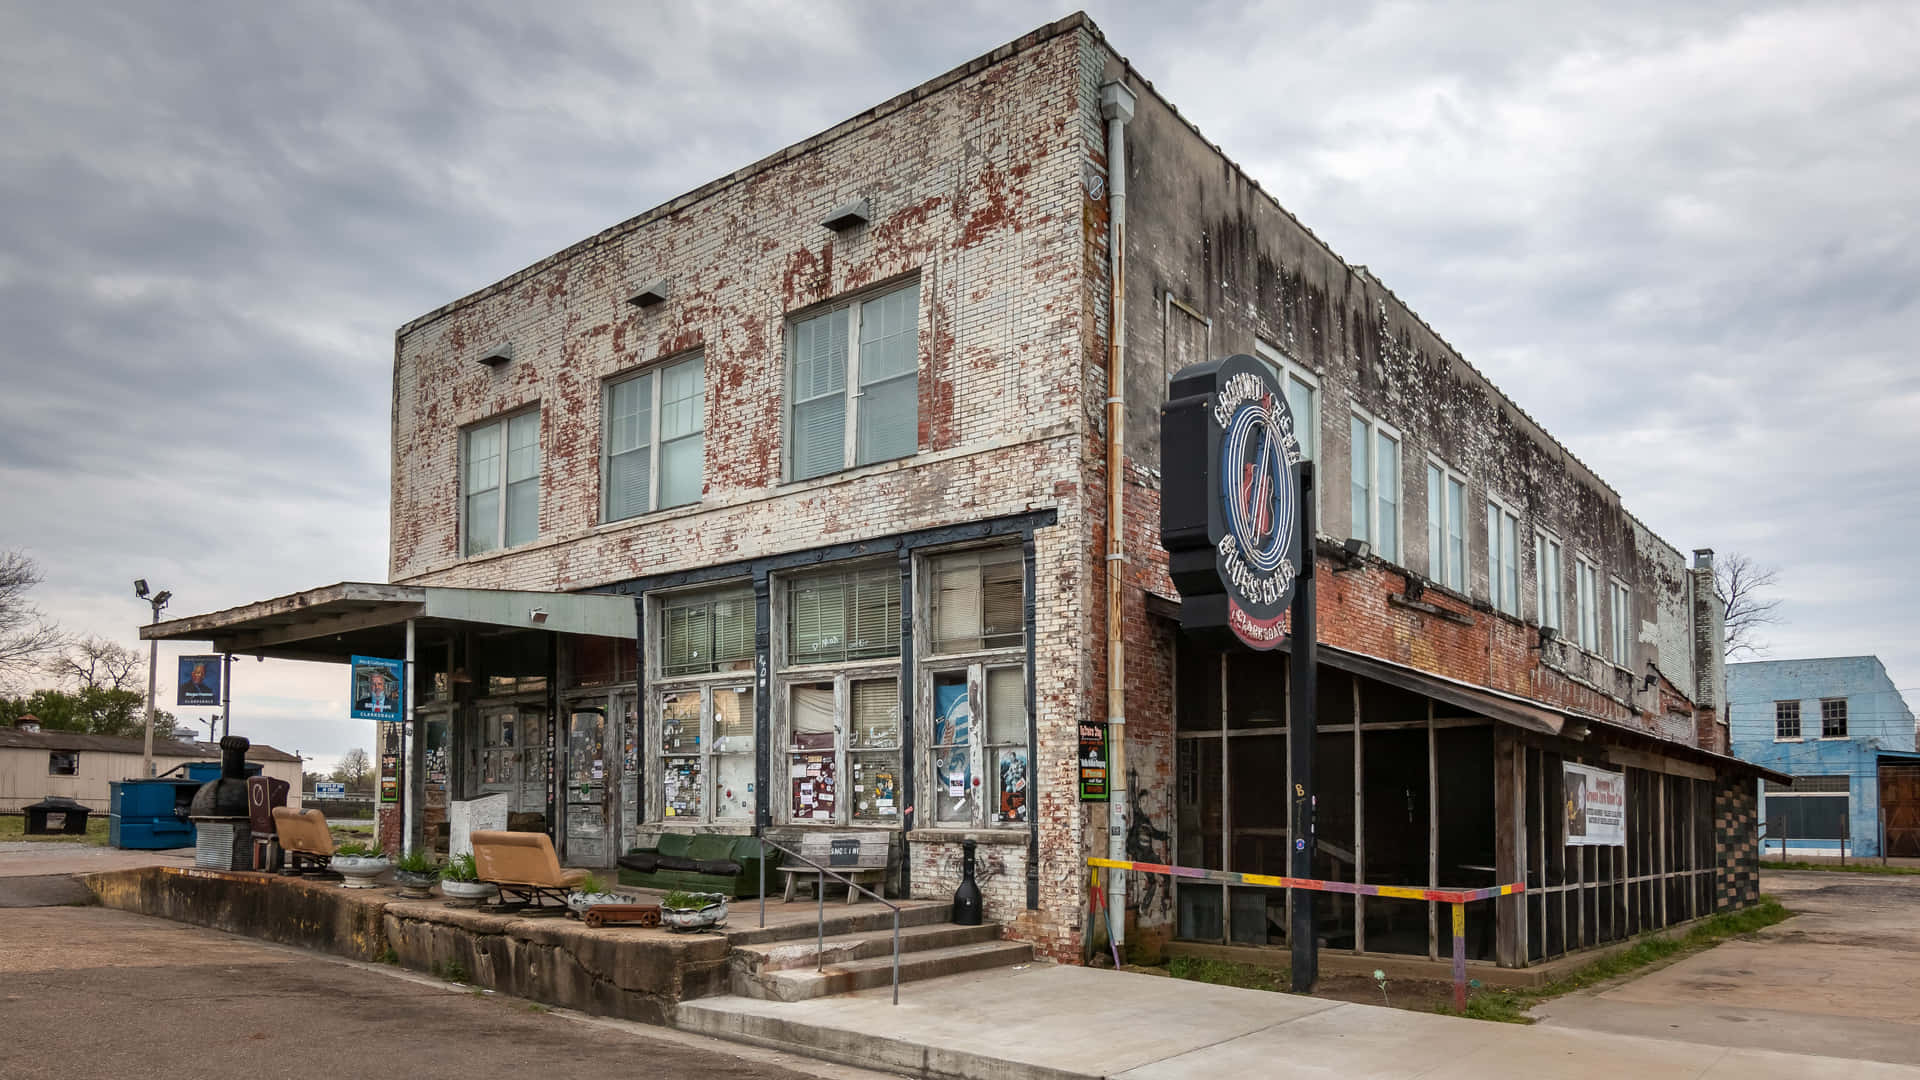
837, 424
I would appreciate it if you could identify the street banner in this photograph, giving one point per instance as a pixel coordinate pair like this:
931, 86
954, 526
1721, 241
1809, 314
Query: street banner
199, 681
1596, 806
377, 689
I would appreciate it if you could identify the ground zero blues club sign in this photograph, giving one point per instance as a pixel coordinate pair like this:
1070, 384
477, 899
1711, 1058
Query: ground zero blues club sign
1230, 501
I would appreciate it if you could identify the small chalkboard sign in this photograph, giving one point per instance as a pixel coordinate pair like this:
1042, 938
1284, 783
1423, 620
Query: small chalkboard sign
845, 851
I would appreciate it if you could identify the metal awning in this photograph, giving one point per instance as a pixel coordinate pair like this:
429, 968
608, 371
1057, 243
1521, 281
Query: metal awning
350, 618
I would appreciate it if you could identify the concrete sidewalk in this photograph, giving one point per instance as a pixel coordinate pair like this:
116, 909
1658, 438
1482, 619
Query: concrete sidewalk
1043, 1022
39, 858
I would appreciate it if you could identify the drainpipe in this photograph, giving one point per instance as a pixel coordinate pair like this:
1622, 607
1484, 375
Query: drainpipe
1116, 104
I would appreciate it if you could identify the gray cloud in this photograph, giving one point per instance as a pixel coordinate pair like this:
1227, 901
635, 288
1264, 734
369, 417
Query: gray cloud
1680, 235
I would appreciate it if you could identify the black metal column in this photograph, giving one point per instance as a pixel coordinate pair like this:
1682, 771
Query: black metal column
903, 798
1302, 686
762, 708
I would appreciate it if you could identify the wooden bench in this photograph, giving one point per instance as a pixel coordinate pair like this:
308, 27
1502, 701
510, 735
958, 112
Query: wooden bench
859, 856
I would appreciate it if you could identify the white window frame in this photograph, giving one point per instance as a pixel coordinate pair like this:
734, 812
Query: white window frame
1287, 371
504, 422
652, 447
850, 419
706, 751
1620, 611
1503, 569
1799, 719
1549, 589
1441, 566
1586, 603
1375, 429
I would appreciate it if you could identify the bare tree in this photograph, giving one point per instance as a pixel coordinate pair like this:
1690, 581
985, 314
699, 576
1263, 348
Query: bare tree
354, 770
26, 634
1742, 583
95, 663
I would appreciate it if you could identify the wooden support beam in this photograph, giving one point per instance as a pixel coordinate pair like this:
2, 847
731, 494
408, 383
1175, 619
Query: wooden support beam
1359, 824
1509, 851
1433, 836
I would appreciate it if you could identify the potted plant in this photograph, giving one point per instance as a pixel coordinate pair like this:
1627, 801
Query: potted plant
460, 880
416, 872
592, 891
693, 911
359, 863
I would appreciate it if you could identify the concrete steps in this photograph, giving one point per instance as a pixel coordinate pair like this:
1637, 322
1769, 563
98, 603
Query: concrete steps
845, 949
846, 920
841, 977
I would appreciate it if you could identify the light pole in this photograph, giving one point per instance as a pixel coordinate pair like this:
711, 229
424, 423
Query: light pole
159, 601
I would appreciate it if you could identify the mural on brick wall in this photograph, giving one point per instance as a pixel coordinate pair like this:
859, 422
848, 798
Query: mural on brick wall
1148, 842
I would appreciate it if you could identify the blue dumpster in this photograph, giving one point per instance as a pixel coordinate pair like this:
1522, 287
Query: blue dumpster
152, 814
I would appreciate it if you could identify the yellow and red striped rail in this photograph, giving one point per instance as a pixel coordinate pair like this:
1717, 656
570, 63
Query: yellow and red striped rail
1459, 898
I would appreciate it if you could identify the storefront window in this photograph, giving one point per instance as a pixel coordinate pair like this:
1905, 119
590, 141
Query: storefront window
707, 632
969, 752
842, 616
706, 753
976, 601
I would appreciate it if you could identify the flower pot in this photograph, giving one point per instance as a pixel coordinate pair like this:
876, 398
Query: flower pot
579, 902
712, 914
360, 870
416, 884
475, 891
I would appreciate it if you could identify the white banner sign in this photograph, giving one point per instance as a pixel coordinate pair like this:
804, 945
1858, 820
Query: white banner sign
1596, 807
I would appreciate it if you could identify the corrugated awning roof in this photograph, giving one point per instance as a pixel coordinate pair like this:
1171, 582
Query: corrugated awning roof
361, 618
15, 739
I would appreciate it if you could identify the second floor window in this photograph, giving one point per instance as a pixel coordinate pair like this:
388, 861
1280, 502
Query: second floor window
1833, 718
1622, 612
1786, 719
1547, 575
1586, 605
501, 482
1503, 558
1446, 527
1375, 471
854, 384
652, 441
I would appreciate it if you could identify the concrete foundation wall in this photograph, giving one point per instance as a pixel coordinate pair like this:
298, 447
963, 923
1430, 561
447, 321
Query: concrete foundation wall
312, 915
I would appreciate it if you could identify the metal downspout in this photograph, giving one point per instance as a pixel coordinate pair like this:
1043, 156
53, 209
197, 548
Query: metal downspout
1116, 105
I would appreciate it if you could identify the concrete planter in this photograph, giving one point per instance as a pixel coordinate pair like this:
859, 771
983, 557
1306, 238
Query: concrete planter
579, 902
475, 891
416, 884
360, 870
712, 915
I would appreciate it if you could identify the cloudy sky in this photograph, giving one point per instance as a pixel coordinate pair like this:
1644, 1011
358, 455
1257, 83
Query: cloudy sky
1684, 237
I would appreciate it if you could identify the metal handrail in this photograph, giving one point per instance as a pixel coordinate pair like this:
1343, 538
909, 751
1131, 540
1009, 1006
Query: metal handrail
820, 895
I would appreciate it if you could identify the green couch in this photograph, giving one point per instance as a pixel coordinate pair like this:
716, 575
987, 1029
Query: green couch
704, 863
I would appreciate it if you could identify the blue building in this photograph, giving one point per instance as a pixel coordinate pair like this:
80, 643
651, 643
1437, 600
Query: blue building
1842, 730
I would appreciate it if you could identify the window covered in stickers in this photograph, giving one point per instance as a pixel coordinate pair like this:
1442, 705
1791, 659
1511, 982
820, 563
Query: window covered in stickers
853, 383
839, 696
701, 707
500, 482
976, 758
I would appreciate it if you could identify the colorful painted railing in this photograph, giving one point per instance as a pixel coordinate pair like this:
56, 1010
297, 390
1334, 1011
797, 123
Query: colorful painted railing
1458, 898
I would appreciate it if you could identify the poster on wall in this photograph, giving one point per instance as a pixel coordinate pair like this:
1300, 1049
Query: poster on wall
813, 780
199, 681
1093, 761
376, 689
389, 733
952, 729
1596, 806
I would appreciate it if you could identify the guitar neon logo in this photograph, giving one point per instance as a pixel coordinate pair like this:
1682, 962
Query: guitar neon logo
1258, 504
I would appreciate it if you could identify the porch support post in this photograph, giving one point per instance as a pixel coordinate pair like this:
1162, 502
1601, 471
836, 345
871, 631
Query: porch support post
409, 774
1509, 840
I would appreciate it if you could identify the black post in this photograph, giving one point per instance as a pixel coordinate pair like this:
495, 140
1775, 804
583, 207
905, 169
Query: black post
1300, 747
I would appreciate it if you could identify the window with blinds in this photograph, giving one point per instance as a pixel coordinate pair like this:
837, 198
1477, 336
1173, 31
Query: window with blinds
706, 632
843, 615
854, 387
977, 601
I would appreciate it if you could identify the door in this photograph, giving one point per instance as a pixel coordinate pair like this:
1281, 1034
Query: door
1900, 807
593, 783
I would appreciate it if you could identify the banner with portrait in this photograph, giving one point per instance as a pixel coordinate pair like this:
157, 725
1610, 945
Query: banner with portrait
1596, 806
377, 691
199, 682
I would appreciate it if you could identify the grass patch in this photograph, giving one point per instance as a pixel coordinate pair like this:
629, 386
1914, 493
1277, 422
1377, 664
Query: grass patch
1510, 1006
1229, 973
1850, 868
14, 827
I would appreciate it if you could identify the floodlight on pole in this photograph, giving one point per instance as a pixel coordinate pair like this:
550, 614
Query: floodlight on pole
157, 601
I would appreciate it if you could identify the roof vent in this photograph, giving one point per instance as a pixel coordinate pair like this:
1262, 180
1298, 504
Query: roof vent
655, 292
495, 355
848, 215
